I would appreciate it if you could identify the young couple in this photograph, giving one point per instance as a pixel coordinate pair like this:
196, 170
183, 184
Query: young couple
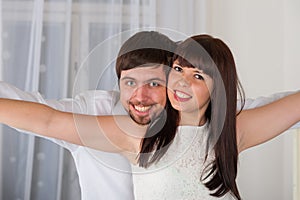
186, 145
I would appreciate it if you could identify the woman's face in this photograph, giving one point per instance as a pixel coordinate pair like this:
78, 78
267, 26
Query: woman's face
189, 89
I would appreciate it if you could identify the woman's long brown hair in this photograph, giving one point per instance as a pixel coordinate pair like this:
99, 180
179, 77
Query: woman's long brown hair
215, 58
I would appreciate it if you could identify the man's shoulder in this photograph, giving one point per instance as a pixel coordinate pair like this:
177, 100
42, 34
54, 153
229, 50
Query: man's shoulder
99, 95
104, 93
99, 101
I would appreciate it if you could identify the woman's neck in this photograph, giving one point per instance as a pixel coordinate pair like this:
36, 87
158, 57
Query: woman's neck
192, 119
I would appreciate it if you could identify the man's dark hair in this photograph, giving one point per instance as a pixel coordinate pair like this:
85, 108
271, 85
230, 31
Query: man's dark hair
145, 48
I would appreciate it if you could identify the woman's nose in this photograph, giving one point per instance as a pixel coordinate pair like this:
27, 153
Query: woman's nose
184, 82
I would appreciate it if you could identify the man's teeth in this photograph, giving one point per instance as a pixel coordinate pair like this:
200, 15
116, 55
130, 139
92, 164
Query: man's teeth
182, 95
142, 108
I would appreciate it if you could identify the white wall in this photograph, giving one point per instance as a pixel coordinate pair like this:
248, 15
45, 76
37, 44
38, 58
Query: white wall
265, 39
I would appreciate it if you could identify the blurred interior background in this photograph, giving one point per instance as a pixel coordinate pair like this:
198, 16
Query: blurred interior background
48, 46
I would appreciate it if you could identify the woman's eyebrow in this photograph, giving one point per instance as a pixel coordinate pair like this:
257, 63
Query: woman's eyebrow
199, 71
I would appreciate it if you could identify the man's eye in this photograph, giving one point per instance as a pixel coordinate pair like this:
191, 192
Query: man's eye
154, 84
198, 76
130, 83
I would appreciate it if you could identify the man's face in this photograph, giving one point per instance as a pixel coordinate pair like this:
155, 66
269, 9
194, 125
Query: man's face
143, 92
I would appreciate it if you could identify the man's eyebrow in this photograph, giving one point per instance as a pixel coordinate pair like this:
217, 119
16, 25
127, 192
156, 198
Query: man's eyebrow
127, 78
145, 81
155, 79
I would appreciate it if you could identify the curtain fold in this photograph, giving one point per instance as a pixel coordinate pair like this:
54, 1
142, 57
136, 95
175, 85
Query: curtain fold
36, 51
50, 46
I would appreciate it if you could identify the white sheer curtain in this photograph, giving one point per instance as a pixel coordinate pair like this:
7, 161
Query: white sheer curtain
43, 43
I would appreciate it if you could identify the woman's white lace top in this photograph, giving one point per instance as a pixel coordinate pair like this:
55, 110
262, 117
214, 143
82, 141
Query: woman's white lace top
176, 176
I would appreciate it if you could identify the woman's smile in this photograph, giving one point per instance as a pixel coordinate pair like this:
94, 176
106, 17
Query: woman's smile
181, 96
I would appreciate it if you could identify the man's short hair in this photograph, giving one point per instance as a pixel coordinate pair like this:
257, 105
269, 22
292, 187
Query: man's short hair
143, 49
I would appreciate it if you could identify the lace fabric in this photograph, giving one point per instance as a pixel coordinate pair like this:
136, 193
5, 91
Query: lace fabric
177, 174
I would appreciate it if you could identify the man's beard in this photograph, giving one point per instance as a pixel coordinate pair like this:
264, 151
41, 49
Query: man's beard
140, 120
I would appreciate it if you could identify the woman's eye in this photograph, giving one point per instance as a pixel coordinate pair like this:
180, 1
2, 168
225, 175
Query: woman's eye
177, 68
198, 76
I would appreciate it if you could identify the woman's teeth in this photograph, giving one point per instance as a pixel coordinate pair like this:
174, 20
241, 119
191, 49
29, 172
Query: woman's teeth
182, 95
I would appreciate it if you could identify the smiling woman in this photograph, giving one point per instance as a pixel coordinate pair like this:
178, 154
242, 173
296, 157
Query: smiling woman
203, 87
189, 92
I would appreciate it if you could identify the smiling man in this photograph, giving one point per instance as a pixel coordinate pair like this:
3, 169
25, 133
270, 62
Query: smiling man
143, 92
140, 67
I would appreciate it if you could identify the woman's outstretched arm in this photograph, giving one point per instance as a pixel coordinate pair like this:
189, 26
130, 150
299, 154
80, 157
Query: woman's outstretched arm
256, 126
106, 133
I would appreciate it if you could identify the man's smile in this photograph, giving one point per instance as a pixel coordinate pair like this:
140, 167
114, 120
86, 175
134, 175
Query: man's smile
142, 108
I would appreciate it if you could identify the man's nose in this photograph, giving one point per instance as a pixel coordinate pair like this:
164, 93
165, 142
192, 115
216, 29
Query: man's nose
141, 93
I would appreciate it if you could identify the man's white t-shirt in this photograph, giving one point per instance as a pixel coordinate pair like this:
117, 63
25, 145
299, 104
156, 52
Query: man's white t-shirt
101, 175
